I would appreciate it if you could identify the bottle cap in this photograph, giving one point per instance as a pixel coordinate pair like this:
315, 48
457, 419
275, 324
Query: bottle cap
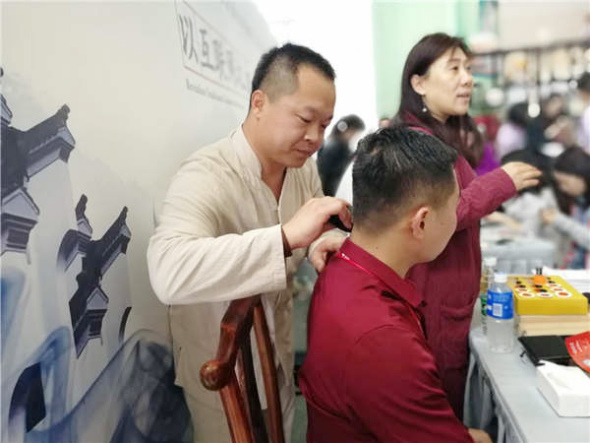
490, 261
500, 278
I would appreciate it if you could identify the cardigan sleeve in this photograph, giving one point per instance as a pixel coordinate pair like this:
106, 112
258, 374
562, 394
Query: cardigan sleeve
482, 196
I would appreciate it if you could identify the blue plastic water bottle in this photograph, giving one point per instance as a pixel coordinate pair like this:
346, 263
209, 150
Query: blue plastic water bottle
500, 315
487, 279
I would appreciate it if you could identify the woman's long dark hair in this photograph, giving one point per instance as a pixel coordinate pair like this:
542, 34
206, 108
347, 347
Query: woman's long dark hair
573, 161
421, 57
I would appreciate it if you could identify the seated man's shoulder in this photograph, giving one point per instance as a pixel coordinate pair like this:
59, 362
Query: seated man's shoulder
392, 333
396, 347
357, 306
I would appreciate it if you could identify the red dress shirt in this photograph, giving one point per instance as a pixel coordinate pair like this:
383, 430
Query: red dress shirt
369, 374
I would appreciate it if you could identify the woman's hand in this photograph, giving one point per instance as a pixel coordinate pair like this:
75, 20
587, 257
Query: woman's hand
522, 174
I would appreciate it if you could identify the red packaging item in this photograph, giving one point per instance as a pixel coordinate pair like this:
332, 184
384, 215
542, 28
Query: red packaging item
578, 347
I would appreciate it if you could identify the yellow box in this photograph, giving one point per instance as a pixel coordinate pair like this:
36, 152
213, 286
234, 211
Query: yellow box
554, 297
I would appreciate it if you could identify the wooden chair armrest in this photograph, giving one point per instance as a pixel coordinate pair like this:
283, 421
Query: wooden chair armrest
215, 374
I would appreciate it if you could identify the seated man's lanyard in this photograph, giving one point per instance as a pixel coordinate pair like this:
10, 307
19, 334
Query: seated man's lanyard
347, 259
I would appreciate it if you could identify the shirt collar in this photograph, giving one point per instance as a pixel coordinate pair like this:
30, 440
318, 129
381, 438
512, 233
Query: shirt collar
245, 153
388, 277
251, 166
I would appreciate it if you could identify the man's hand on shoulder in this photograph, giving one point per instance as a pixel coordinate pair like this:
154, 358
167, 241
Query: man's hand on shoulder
479, 436
311, 220
324, 250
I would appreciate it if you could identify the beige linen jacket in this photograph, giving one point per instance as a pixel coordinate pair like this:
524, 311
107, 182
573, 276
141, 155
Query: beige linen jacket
219, 239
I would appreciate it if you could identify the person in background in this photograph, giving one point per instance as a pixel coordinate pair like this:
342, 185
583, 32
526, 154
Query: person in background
512, 133
523, 209
436, 90
237, 220
384, 122
584, 124
552, 110
336, 153
571, 172
487, 127
369, 374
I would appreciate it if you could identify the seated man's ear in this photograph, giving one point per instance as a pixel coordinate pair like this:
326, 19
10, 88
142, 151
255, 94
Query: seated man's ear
418, 222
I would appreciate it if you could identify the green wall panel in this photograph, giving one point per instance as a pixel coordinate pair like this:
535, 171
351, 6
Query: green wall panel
397, 26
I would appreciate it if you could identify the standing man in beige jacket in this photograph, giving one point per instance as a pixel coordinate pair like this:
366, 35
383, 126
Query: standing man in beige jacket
237, 221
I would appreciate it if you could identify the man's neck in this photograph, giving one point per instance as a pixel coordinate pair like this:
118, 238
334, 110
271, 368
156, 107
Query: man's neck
272, 173
388, 248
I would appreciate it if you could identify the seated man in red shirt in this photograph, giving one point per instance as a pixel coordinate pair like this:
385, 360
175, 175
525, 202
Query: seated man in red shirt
369, 375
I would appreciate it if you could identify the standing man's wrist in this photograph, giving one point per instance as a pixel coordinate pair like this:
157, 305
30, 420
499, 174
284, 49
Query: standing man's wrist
287, 252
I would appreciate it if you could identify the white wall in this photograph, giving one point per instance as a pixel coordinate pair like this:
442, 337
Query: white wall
341, 31
119, 66
140, 102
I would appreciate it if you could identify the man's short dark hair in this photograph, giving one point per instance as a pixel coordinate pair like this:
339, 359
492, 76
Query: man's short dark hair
276, 72
398, 168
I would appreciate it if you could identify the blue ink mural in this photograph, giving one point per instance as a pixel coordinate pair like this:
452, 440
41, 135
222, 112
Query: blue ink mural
71, 369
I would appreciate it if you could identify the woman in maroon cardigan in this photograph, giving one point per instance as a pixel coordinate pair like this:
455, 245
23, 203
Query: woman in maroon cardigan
436, 89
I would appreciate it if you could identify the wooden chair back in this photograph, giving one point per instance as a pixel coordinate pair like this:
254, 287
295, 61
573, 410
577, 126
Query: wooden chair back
232, 374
